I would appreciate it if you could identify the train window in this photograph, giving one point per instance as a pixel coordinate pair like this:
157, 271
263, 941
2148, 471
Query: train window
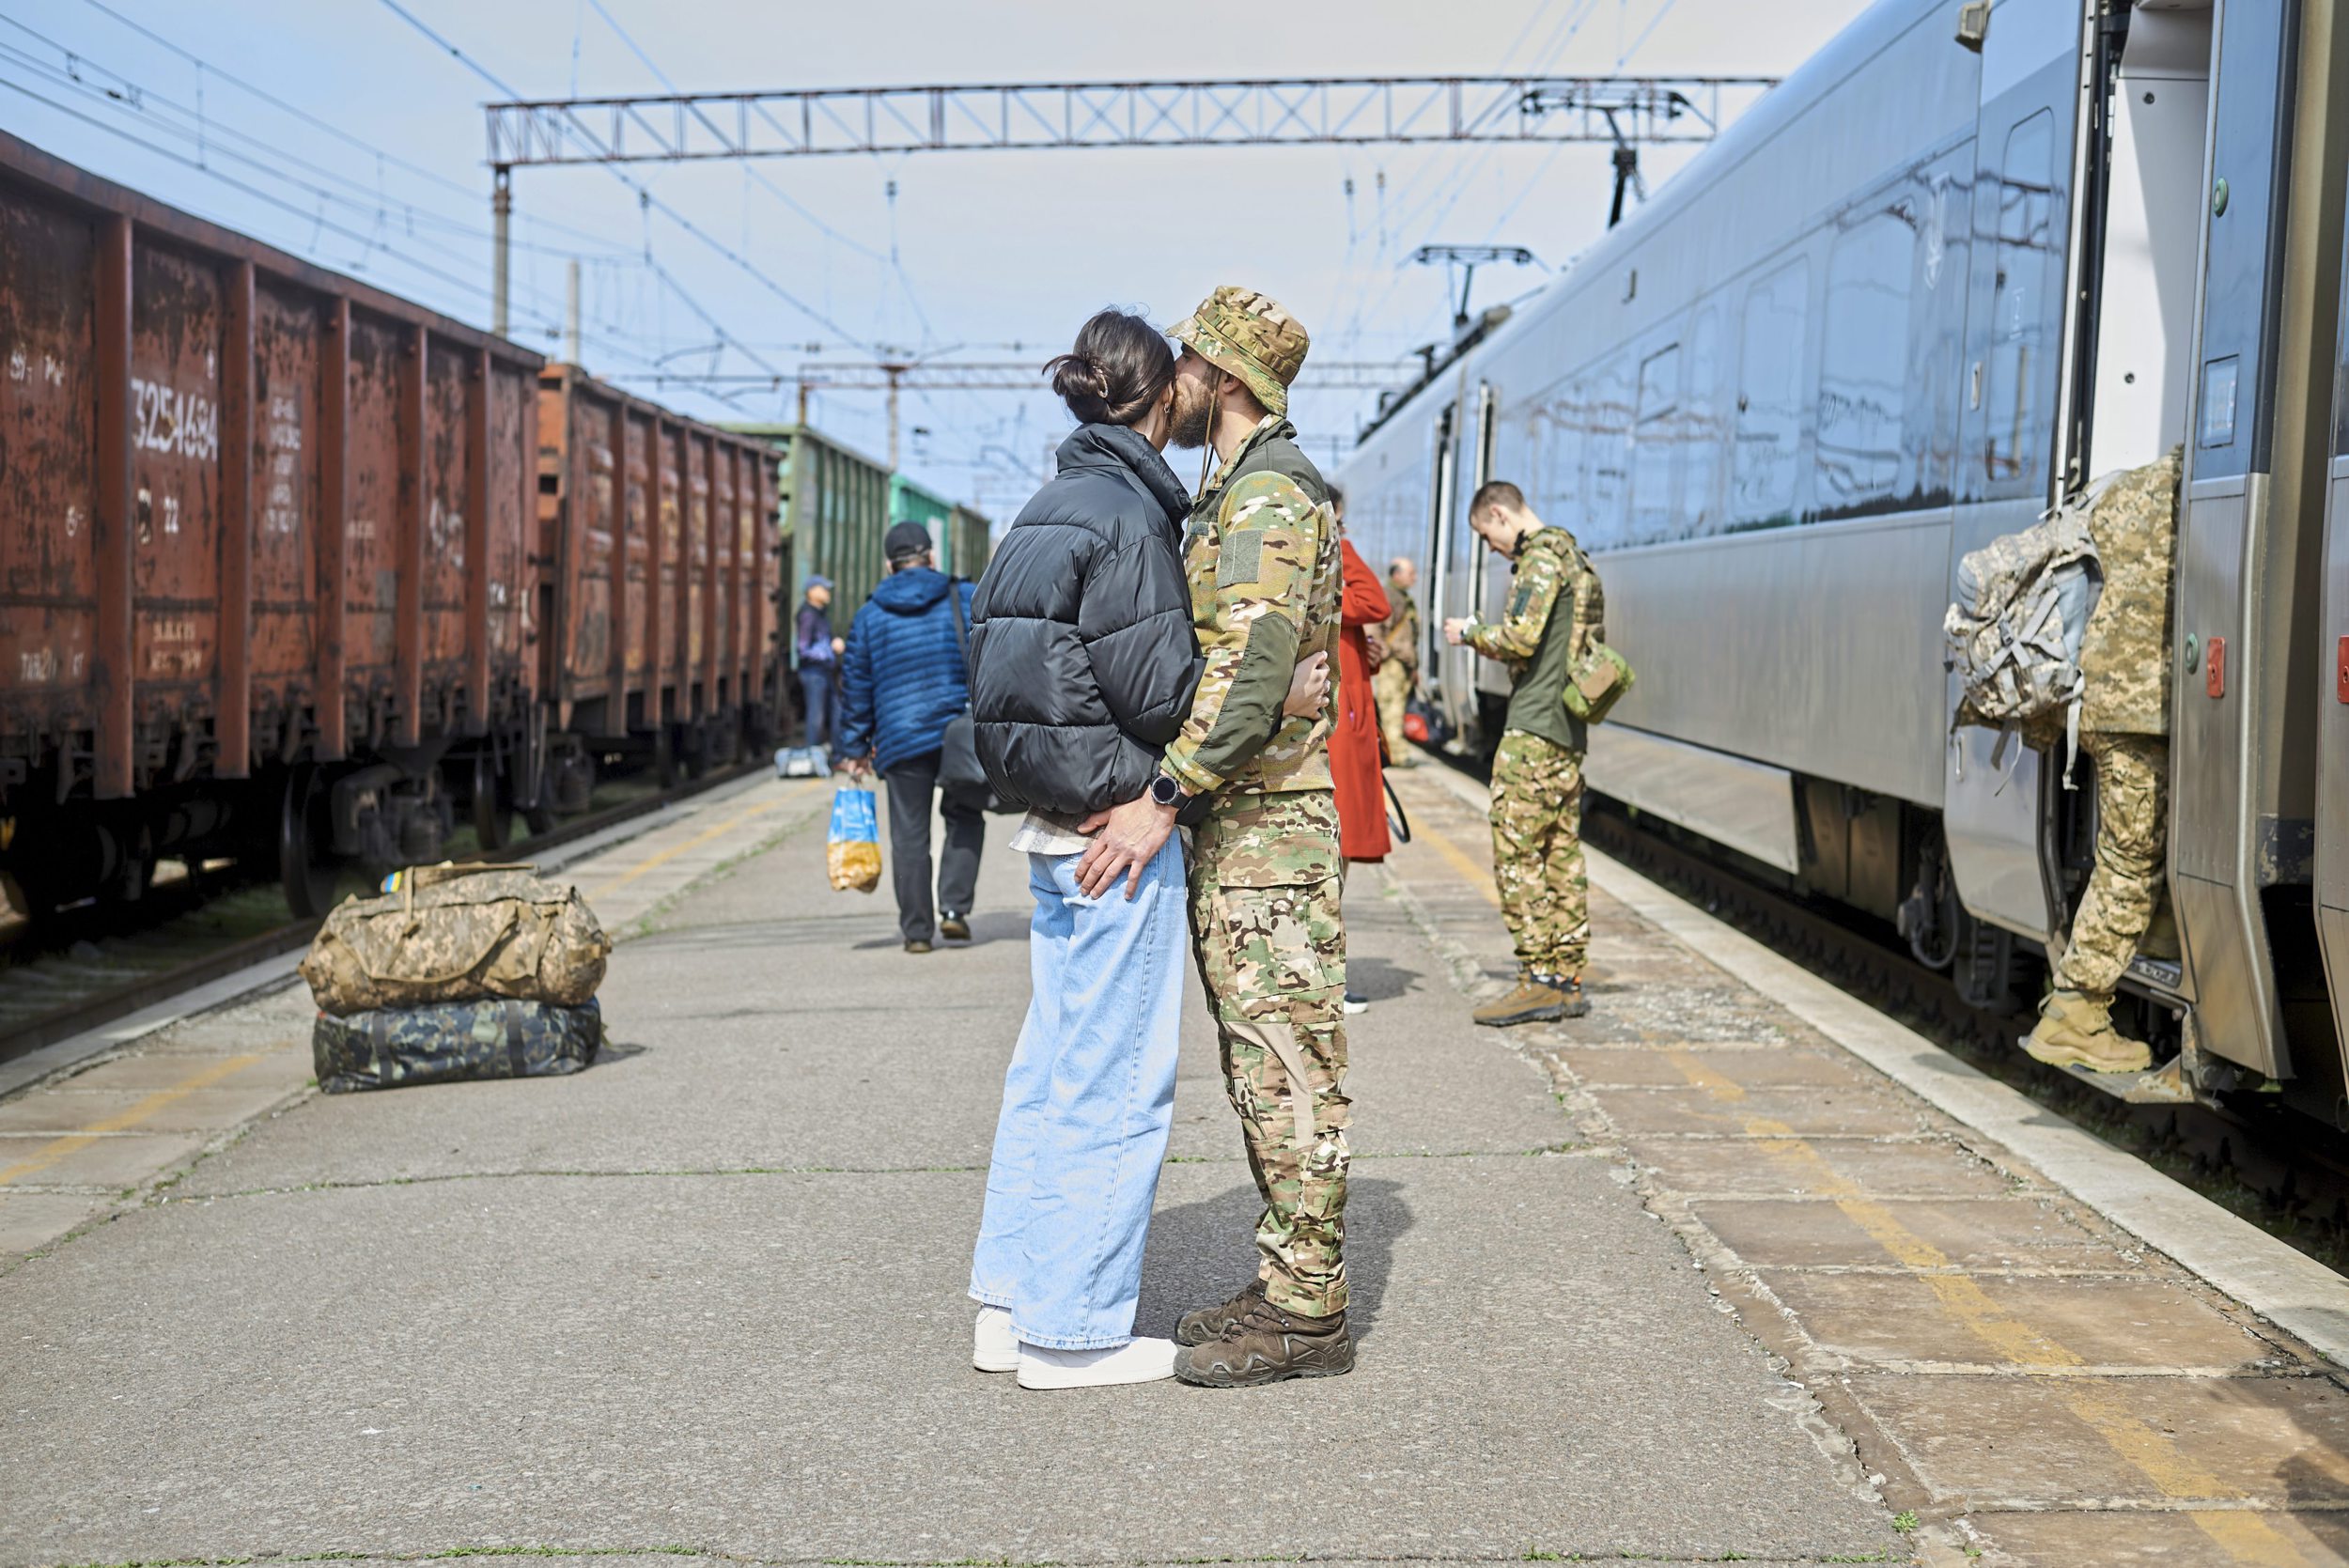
1700, 429
1770, 397
1863, 364
1653, 503
2023, 312
1607, 456
1559, 476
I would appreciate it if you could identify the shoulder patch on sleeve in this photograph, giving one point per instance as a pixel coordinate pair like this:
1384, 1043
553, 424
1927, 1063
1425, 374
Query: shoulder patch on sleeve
1240, 559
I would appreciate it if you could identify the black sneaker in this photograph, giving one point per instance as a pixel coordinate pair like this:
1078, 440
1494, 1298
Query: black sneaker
954, 927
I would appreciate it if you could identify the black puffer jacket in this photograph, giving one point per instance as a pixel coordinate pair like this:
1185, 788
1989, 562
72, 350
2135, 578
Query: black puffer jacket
1081, 651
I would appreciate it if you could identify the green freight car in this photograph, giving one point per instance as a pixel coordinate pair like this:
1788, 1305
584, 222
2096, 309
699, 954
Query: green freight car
970, 539
910, 502
833, 507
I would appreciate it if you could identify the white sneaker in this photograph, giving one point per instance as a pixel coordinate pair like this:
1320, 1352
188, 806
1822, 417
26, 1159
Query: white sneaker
993, 1346
1135, 1361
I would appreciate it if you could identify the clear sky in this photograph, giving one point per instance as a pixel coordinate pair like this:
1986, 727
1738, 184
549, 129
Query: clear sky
386, 178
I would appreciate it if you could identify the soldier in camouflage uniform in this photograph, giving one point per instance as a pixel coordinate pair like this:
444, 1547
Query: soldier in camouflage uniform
2124, 726
1555, 610
1262, 561
1397, 676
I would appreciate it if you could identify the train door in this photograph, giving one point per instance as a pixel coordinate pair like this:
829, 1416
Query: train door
1454, 678
1488, 572
2015, 320
2245, 617
2134, 241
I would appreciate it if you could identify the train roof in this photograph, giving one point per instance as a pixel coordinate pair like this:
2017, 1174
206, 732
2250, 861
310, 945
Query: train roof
1817, 78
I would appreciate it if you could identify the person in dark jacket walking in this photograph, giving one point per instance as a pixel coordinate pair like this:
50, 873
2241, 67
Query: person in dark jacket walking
902, 679
1083, 662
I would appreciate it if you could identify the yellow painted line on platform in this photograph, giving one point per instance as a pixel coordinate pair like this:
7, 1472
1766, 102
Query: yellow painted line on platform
1478, 876
653, 862
2245, 1537
73, 1143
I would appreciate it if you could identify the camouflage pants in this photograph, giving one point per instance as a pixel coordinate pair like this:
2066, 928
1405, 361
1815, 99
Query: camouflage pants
1271, 942
2132, 833
1391, 688
1537, 853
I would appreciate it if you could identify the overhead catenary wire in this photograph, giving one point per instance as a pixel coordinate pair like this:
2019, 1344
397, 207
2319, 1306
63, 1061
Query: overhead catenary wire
645, 193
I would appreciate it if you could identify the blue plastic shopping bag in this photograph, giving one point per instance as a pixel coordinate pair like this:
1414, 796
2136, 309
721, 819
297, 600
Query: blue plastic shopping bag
853, 853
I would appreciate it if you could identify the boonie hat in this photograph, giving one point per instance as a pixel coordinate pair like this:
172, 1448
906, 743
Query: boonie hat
905, 538
1248, 334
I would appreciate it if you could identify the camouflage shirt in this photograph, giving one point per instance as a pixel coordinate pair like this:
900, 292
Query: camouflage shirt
1262, 561
1538, 644
1402, 625
2126, 653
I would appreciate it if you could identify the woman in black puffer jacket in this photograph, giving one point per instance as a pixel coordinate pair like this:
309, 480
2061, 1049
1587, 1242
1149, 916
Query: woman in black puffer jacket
1083, 665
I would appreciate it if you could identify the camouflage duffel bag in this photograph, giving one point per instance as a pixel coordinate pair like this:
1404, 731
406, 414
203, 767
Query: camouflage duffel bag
451, 1041
458, 933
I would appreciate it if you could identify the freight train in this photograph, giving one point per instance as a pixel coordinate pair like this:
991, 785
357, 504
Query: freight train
298, 573
1963, 258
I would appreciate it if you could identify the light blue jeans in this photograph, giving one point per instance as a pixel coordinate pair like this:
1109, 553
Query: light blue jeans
1087, 1105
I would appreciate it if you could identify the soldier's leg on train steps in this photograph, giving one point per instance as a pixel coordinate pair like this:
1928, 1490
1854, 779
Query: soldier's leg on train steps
2074, 1027
2131, 834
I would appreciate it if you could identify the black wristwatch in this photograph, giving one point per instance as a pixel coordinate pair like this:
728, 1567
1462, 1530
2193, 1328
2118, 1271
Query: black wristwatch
1165, 792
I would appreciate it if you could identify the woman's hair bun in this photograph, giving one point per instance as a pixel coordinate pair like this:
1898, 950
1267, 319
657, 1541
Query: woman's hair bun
1116, 371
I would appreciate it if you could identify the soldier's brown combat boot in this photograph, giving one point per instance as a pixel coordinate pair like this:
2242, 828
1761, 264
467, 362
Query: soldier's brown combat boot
1209, 1323
1538, 999
1268, 1345
2076, 1030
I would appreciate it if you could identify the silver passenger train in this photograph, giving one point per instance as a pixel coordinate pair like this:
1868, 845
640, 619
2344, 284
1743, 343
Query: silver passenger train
1953, 266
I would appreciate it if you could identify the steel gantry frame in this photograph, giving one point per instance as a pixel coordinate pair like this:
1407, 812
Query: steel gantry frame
1613, 111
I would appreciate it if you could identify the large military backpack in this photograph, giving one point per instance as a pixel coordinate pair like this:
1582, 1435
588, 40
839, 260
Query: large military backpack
458, 933
2015, 631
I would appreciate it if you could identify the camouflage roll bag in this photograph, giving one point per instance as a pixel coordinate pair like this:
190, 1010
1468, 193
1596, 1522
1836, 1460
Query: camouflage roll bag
452, 1041
458, 933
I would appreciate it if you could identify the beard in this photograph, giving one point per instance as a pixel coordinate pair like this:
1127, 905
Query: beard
1193, 413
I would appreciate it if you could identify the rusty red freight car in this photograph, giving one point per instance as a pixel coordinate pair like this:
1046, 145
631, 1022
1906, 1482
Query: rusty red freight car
661, 595
266, 571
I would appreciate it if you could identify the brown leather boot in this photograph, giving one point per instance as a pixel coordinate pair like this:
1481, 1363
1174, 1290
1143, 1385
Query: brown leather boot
1268, 1345
1209, 1323
1538, 999
2075, 1030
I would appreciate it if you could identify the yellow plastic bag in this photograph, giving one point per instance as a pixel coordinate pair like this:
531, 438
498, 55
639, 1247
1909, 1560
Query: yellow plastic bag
853, 851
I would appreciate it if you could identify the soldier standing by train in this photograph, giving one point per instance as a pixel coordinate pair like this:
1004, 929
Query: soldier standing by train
1262, 561
1398, 677
1556, 611
2124, 726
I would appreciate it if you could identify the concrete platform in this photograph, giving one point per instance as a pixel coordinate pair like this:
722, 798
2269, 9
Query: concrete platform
1686, 1280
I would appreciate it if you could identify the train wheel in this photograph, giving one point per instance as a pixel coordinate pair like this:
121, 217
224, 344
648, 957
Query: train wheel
306, 843
491, 816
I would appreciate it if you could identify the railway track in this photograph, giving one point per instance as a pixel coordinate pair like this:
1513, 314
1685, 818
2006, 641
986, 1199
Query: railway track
90, 975
2266, 1163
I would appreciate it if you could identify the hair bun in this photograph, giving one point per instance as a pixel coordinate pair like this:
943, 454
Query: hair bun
1082, 383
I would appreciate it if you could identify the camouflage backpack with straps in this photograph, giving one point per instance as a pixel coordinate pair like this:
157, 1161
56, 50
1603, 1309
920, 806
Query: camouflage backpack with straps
458, 933
2015, 628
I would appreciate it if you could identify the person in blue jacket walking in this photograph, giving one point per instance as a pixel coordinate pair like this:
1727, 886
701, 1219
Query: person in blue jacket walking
902, 680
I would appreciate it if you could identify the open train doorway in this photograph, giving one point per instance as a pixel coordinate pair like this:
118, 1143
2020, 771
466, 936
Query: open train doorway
2142, 235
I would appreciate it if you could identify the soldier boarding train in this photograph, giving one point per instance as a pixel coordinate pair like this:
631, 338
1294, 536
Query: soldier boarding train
1964, 259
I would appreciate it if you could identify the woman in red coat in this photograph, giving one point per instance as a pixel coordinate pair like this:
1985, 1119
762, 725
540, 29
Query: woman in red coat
1354, 767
